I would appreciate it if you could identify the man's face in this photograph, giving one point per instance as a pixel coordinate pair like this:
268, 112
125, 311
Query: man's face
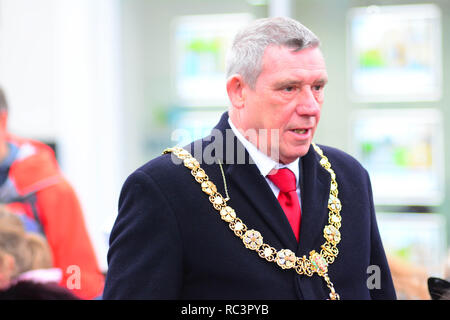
287, 97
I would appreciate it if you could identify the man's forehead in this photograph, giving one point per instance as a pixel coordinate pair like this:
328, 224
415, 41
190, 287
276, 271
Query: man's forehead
278, 57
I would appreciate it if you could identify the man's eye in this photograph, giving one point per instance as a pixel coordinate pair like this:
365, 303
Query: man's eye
317, 87
289, 89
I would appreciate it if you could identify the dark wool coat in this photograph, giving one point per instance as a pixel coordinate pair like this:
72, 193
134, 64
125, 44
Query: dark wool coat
168, 242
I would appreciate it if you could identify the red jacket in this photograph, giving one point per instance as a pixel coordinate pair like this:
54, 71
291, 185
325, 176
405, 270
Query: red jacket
37, 188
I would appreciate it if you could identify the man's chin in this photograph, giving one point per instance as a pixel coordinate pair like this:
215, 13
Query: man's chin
291, 157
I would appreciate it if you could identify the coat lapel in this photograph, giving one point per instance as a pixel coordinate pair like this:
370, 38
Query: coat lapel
315, 189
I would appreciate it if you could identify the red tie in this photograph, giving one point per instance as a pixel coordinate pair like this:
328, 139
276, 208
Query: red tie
284, 179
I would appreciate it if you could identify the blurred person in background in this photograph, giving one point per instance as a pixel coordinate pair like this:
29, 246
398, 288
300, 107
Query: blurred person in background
26, 270
33, 186
439, 288
258, 167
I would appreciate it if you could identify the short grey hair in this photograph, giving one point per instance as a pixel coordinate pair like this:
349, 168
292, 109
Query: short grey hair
3, 102
249, 44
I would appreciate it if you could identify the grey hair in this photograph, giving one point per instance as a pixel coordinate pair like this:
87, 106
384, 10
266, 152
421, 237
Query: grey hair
249, 44
3, 102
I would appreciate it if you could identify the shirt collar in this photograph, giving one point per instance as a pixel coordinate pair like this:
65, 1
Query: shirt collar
264, 163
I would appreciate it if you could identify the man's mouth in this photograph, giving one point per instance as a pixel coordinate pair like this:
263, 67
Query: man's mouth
300, 131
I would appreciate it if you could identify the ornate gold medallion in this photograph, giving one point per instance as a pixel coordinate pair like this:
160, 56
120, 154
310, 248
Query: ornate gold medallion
253, 240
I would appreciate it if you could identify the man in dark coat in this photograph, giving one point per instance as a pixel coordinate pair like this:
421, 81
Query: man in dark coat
261, 212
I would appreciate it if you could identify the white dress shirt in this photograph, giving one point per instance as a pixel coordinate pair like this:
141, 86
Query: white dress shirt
266, 164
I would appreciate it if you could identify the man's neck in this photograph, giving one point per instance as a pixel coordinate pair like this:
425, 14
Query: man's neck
262, 140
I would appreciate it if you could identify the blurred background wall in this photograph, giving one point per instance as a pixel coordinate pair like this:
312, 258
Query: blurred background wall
98, 80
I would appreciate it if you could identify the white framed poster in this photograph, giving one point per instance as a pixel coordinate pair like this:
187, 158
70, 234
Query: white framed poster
394, 53
201, 44
403, 151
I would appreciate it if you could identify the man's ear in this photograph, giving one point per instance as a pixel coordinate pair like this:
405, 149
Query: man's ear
236, 91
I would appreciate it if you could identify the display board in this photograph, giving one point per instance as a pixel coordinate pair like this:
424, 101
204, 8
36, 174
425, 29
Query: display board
403, 151
190, 125
201, 43
394, 53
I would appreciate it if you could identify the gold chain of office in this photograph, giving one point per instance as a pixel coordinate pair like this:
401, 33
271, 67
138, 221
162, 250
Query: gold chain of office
253, 240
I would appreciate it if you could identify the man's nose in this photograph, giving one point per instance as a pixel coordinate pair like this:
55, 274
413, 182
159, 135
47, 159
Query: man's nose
307, 103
